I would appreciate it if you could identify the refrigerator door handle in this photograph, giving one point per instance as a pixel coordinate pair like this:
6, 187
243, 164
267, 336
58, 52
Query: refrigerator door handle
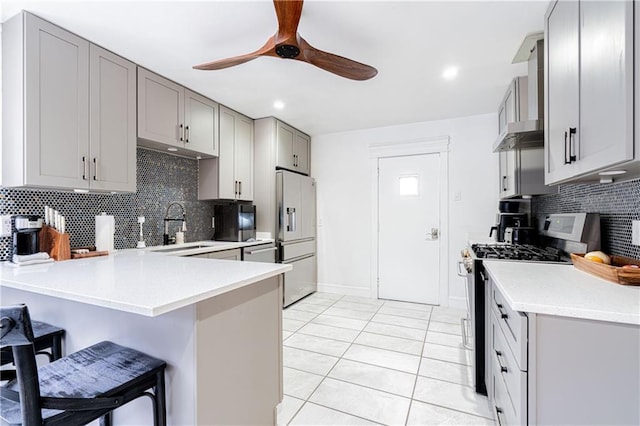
291, 219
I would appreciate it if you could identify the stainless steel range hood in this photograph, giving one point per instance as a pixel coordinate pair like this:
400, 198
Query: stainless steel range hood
526, 98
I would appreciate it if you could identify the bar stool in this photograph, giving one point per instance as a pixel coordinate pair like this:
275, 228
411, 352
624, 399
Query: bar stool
47, 341
79, 388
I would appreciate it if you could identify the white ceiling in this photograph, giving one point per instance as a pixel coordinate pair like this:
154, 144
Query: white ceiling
409, 43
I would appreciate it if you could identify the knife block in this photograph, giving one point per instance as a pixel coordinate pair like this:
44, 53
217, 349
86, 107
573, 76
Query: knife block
55, 243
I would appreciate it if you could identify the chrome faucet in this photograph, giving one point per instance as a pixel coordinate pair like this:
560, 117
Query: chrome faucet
167, 219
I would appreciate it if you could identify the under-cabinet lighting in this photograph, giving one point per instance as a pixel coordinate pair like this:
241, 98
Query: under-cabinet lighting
81, 191
613, 173
172, 149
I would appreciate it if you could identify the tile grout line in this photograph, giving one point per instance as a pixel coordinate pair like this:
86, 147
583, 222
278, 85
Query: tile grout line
415, 382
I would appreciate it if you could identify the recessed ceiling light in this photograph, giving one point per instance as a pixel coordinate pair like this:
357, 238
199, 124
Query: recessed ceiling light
172, 149
278, 105
450, 73
613, 173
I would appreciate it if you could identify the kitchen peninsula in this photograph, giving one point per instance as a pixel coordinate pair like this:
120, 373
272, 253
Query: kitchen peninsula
216, 323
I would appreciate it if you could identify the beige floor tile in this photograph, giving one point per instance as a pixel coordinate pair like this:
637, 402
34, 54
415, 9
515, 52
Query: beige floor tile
397, 344
422, 414
383, 358
384, 379
363, 402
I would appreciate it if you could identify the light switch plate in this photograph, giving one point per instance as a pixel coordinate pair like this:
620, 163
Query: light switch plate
635, 232
5, 226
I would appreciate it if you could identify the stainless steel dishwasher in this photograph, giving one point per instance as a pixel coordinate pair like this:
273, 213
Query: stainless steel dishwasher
265, 253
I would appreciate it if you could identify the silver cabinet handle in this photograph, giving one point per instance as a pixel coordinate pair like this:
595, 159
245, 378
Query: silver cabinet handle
95, 169
262, 250
85, 172
187, 134
572, 144
465, 336
503, 369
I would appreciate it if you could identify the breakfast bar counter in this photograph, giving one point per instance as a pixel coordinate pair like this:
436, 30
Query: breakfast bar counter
217, 324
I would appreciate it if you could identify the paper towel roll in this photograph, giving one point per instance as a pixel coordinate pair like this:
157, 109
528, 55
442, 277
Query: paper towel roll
105, 227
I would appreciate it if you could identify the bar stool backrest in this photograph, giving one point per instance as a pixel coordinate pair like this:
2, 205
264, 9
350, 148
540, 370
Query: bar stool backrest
16, 332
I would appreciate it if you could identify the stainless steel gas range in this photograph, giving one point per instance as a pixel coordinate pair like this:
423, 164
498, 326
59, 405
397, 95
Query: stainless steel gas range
561, 234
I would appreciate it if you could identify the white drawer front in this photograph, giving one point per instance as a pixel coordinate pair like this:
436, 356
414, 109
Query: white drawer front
505, 367
514, 326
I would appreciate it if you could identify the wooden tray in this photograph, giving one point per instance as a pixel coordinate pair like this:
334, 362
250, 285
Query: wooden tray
613, 272
92, 253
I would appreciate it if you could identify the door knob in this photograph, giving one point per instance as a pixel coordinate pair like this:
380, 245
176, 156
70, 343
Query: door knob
433, 235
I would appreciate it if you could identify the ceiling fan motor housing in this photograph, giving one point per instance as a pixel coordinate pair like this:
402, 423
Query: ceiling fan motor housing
287, 51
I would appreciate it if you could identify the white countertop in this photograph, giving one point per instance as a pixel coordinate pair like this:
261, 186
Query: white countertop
138, 281
563, 290
200, 247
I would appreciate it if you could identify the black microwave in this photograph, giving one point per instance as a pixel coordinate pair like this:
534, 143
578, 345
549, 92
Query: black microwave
234, 222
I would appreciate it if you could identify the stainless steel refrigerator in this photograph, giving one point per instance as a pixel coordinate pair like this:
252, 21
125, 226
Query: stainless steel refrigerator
296, 233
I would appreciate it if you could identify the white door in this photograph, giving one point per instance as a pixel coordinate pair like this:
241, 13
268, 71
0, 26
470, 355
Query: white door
409, 222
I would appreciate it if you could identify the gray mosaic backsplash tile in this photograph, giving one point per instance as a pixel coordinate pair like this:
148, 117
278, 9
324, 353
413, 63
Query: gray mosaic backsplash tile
162, 179
617, 203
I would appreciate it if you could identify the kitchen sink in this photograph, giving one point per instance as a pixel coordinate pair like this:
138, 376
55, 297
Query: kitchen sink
187, 246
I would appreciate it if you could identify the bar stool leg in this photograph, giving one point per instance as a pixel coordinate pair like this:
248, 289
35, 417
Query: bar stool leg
56, 347
106, 420
160, 401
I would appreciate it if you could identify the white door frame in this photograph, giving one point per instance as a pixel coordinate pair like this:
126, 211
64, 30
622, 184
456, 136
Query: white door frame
436, 145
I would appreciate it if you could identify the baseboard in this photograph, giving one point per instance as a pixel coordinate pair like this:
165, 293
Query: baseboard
458, 302
344, 289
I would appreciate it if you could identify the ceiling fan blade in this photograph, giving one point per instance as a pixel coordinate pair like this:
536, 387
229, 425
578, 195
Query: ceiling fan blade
335, 64
288, 13
266, 50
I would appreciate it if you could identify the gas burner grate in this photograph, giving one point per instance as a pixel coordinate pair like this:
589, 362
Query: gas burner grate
522, 252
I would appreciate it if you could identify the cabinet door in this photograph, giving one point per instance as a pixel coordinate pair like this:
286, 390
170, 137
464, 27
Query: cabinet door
606, 84
244, 157
112, 115
160, 109
562, 89
508, 177
56, 106
201, 124
227, 182
285, 139
302, 148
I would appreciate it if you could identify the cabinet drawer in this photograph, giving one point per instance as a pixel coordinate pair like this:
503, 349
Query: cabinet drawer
505, 367
503, 409
513, 325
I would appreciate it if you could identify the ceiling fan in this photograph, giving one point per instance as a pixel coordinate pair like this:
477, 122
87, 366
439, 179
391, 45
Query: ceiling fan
286, 43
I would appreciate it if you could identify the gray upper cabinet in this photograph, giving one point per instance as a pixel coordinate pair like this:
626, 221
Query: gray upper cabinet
171, 117
230, 176
589, 84
112, 117
55, 99
522, 173
292, 148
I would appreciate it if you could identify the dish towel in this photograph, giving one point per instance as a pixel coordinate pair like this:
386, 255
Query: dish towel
30, 259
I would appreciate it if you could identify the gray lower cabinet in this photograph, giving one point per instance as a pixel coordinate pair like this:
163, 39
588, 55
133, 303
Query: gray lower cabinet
230, 176
551, 370
175, 119
71, 108
589, 90
234, 254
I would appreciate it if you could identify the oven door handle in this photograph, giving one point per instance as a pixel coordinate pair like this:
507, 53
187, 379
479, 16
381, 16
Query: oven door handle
462, 271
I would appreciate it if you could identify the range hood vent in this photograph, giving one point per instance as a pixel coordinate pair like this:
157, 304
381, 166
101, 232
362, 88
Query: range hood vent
527, 131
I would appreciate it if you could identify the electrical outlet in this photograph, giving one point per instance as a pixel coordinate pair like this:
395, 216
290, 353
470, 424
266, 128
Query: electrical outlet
635, 232
5, 226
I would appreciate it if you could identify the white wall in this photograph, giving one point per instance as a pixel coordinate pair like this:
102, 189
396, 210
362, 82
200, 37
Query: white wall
341, 164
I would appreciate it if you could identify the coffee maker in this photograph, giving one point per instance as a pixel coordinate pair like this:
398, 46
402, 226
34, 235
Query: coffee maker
508, 220
26, 237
